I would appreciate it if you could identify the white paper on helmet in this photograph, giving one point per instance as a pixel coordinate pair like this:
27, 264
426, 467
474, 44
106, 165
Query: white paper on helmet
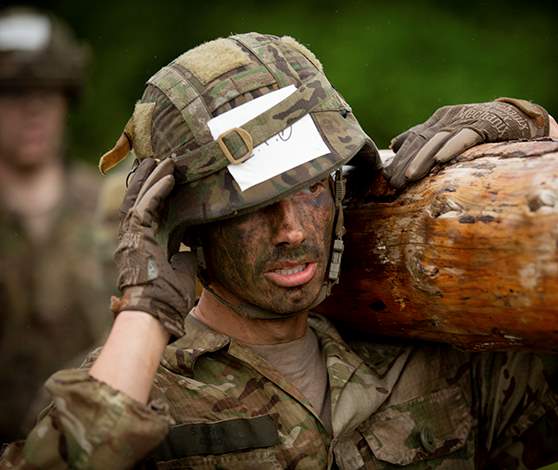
298, 144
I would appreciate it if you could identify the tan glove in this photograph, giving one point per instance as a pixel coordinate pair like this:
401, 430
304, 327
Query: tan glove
453, 129
148, 281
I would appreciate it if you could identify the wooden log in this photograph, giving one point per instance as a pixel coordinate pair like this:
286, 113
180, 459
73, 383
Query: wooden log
466, 256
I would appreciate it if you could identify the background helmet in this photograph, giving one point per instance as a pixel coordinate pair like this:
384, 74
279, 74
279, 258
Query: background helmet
170, 121
37, 50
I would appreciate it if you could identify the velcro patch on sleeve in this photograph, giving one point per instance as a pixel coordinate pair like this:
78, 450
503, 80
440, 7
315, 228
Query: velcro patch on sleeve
213, 58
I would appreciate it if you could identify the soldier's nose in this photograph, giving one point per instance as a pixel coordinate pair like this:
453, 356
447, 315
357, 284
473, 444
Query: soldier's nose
288, 226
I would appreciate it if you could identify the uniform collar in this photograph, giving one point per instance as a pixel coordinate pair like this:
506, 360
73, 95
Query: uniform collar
377, 355
199, 339
331, 341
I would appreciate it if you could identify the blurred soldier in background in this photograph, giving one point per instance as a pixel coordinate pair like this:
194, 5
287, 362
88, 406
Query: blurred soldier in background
53, 307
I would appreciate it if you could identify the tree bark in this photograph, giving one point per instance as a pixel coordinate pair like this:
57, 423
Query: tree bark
466, 256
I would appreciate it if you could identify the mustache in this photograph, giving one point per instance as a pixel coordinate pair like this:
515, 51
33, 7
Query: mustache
306, 251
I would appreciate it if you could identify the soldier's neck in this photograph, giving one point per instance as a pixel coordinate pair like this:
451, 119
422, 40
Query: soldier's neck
221, 318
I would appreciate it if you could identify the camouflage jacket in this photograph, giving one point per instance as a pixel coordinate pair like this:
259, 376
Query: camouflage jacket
216, 404
51, 296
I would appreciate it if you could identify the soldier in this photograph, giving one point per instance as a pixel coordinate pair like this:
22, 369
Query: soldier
238, 139
49, 282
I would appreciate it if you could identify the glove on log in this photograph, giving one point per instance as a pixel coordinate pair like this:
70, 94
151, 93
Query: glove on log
149, 282
453, 129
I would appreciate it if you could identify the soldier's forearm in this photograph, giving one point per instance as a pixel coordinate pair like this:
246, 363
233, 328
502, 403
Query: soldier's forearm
131, 355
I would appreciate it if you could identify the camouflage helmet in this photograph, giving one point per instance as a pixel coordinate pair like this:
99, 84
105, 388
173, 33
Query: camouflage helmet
171, 121
37, 50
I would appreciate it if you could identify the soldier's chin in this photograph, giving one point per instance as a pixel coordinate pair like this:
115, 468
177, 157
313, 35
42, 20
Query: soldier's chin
276, 313
290, 305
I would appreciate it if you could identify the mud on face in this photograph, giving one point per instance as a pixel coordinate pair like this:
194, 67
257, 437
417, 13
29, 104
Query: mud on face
276, 257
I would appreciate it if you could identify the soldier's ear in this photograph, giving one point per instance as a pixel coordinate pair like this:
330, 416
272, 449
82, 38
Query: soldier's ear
193, 239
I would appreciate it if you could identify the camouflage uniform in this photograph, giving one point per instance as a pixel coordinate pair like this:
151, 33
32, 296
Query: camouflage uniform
53, 307
217, 404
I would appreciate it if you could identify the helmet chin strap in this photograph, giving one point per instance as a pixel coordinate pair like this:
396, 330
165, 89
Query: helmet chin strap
249, 310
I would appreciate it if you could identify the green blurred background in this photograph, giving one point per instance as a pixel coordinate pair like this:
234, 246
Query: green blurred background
395, 61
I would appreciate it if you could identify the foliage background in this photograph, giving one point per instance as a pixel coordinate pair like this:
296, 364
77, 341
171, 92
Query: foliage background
395, 61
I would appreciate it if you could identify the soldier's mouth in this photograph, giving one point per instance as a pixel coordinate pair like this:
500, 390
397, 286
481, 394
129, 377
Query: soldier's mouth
292, 275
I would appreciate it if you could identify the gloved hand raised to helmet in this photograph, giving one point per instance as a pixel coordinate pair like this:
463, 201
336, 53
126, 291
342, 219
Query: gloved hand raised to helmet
149, 282
453, 129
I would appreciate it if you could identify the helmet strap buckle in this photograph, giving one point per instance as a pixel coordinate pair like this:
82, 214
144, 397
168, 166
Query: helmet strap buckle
339, 231
335, 263
246, 139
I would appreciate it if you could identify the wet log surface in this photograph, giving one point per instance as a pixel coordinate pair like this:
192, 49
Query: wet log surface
467, 256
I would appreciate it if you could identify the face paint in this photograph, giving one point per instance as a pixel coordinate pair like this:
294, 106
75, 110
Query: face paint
276, 257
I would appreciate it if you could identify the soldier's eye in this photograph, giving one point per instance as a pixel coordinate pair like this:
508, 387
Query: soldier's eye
315, 188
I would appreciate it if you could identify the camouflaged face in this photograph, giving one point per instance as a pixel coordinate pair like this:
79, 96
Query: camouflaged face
193, 89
